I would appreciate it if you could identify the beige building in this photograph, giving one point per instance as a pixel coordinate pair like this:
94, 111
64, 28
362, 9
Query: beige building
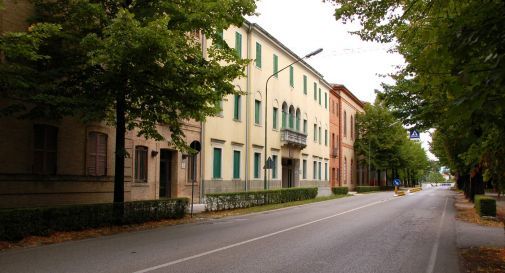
349, 106
296, 121
45, 162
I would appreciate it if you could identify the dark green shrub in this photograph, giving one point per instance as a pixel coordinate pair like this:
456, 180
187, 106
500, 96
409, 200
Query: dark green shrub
340, 190
386, 188
18, 223
234, 200
367, 188
485, 206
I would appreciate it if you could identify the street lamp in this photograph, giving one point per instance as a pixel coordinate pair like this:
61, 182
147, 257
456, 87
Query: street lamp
266, 104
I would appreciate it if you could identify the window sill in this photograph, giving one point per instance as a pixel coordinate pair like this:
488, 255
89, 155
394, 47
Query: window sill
140, 184
258, 125
237, 120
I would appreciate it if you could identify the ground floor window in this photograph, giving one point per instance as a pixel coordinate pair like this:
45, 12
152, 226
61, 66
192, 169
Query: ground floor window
257, 165
141, 164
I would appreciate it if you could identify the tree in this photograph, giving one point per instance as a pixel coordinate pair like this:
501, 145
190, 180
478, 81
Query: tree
454, 77
135, 64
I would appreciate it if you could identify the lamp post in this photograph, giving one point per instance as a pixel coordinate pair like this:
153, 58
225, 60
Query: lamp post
266, 105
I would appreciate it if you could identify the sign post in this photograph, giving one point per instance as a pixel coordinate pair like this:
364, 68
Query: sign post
396, 183
269, 164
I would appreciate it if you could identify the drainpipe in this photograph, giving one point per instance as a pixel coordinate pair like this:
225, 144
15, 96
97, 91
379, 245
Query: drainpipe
247, 112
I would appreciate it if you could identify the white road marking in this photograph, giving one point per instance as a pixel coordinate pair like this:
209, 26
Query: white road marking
434, 250
255, 239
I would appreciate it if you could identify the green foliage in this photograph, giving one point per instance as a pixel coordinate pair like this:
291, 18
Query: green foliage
361, 189
454, 79
340, 190
435, 177
16, 224
224, 201
485, 206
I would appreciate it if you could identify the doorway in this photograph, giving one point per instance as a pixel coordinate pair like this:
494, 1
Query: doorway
287, 173
165, 173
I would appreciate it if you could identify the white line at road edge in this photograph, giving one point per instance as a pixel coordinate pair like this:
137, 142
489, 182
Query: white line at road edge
434, 250
256, 239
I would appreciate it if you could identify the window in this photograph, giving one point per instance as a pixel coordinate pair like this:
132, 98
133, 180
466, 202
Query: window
276, 66
284, 117
315, 132
326, 100
297, 123
236, 164
236, 107
305, 84
315, 91
238, 44
345, 170
96, 164
141, 164
257, 112
274, 116
304, 169
45, 144
345, 123
258, 55
314, 167
320, 135
319, 96
274, 166
291, 76
326, 171
216, 171
305, 126
257, 165
325, 137
319, 170
352, 127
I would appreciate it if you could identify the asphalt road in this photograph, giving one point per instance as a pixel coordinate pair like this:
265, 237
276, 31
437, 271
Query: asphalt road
367, 233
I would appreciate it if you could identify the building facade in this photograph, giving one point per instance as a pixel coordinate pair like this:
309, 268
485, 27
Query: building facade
348, 106
294, 113
47, 162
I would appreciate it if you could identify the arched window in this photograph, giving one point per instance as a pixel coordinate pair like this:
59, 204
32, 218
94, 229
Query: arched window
291, 117
284, 115
298, 114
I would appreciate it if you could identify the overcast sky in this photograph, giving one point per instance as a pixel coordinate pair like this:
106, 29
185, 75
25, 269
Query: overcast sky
306, 25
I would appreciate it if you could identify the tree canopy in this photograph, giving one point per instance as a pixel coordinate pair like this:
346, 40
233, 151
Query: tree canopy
454, 75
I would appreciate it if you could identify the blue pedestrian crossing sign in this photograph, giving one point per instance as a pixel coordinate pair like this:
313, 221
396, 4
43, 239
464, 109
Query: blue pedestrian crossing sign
397, 182
414, 134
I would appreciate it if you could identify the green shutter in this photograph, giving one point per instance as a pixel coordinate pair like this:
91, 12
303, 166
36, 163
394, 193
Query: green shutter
315, 91
274, 116
276, 65
217, 163
274, 167
304, 170
319, 96
258, 55
236, 108
326, 100
236, 164
326, 137
238, 44
291, 76
314, 176
315, 132
319, 170
283, 119
325, 171
305, 84
257, 109
304, 126
220, 41
320, 135
257, 158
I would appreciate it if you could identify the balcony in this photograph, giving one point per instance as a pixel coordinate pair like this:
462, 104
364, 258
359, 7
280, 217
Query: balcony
334, 152
293, 138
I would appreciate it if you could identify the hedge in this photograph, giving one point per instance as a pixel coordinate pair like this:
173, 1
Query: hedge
16, 224
340, 190
485, 206
387, 188
234, 200
367, 188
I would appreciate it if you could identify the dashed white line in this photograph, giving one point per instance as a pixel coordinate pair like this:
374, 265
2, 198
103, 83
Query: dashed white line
255, 239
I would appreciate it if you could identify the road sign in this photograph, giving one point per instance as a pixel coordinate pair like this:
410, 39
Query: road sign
414, 134
397, 182
269, 164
